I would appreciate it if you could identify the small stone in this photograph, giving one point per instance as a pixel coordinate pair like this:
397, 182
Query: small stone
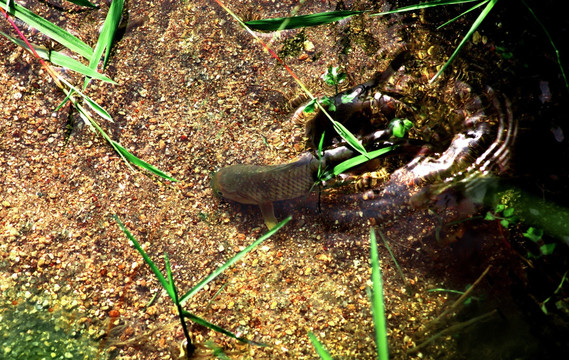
308, 45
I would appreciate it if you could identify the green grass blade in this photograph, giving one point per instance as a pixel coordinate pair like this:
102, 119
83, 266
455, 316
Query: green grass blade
322, 352
446, 290
231, 261
551, 42
473, 28
51, 30
320, 152
349, 137
92, 104
93, 124
462, 14
105, 41
60, 59
425, 5
83, 3
171, 286
378, 308
146, 258
295, 22
127, 156
63, 102
140, 163
360, 159
219, 329
399, 270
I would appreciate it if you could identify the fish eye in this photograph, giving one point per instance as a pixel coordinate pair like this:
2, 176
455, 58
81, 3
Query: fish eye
219, 193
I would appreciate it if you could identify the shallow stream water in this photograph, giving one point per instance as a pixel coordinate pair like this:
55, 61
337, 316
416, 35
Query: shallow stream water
196, 93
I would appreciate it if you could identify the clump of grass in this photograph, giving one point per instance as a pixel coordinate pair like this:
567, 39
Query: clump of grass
170, 287
104, 44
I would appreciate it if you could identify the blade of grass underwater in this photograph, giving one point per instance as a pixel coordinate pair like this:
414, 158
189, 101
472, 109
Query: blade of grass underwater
299, 21
360, 159
320, 152
473, 28
177, 302
322, 352
462, 14
551, 42
94, 126
425, 5
51, 30
378, 308
348, 136
124, 154
146, 258
105, 41
92, 104
231, 261
171, 285
60, 59
219, 329
399, 270
83, 3
140, 163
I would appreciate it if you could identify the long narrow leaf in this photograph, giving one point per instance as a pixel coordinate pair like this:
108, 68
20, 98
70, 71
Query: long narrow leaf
92, 104
171, 287
105, 41
83, 3
146, 258
473, 28
127, 156
301, 20
349, 137
462, 14
140, 163
49, 29
360, 159
93, 124
399, 270
60, 59
425, 5
231, 261
322, 352
219, 329
378, 309
551, 42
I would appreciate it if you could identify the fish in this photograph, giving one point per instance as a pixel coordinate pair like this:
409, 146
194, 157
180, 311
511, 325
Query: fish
264, 184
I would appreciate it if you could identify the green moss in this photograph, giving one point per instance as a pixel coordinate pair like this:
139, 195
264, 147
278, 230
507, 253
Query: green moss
293, 46
31, 331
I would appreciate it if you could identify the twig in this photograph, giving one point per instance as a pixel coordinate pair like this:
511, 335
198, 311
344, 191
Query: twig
451, 329
458, 302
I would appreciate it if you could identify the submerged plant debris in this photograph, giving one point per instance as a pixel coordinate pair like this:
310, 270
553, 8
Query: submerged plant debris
195, 92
